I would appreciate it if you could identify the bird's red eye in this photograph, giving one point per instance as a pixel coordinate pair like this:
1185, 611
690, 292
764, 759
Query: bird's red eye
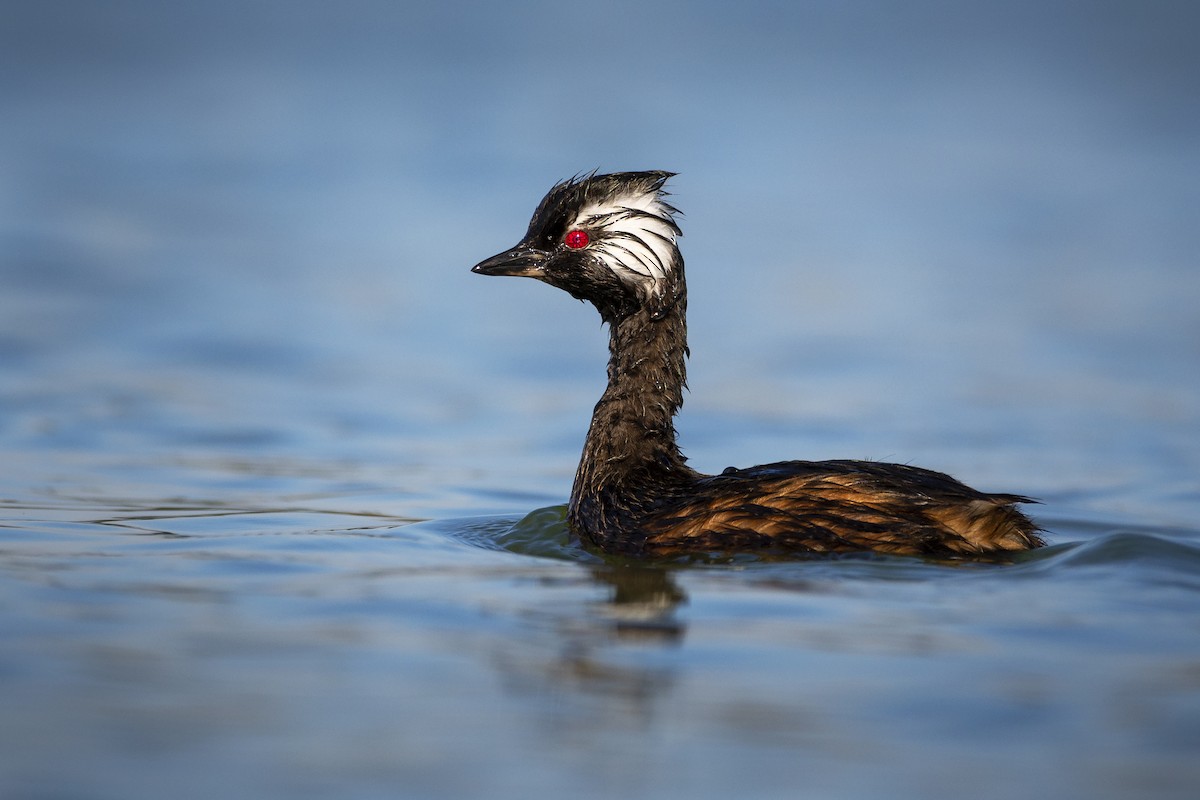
576, 239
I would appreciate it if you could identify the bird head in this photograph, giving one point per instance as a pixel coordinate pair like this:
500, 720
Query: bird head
608, 239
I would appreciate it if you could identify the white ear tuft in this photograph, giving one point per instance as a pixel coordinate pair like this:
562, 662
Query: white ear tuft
635, 237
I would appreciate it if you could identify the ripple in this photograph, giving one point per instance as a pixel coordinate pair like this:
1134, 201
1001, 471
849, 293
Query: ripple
1152, 557
542, 533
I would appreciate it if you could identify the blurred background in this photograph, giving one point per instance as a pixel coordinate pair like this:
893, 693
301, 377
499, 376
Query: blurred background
917, 231
241, 349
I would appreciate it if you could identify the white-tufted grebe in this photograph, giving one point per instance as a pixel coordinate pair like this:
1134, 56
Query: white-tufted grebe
612, 240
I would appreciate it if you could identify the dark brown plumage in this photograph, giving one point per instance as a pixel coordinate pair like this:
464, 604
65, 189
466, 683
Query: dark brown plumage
611, 240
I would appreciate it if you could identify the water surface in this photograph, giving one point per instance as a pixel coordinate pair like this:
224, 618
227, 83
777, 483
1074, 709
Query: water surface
281, 483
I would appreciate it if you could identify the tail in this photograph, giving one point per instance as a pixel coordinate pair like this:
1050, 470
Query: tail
991, 524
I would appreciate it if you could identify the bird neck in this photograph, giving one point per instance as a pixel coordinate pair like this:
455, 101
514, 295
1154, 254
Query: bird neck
631, 441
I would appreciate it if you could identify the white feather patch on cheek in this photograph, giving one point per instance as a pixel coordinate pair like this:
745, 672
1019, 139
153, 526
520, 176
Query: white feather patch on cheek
635, 238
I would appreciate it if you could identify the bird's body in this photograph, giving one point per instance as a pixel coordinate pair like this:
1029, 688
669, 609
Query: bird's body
611, 240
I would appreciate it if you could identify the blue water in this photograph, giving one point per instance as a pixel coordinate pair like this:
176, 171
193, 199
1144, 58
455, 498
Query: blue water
281, 483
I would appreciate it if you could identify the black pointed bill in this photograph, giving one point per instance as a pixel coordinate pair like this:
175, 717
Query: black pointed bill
520, 261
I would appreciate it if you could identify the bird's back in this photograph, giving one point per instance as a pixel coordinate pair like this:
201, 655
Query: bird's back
835, 506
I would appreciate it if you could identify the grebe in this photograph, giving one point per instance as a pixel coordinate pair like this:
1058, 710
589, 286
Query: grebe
611, 240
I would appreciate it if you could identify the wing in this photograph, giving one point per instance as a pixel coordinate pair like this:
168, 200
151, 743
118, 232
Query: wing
839, 506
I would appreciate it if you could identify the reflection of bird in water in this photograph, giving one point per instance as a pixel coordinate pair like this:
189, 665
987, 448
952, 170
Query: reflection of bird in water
593, 657
643, 602
611, 240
